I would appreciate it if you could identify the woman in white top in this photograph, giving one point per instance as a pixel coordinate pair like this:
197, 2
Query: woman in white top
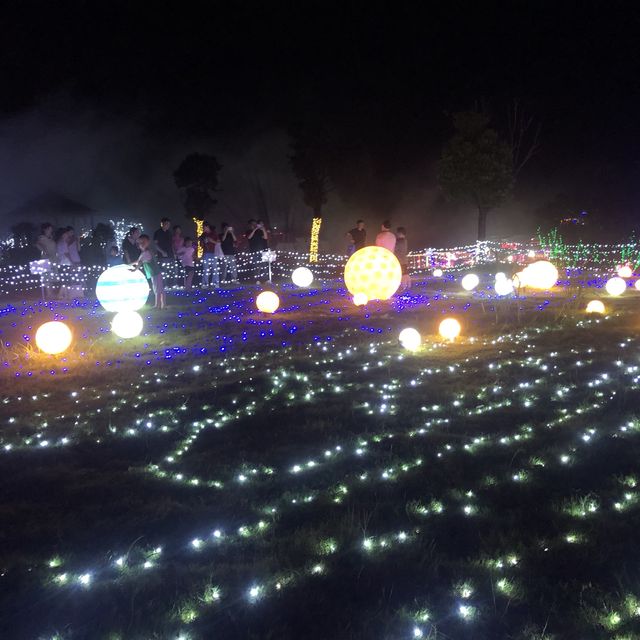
63, 247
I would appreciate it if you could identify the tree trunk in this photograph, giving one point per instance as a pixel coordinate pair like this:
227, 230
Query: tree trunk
482, 223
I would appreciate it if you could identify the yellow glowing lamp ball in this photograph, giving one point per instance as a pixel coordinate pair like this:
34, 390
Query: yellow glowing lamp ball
410, 339
373, 271
267, 302
53, 337
470, 282
121, 289
615, 286
360, 299
625, 271
302, 277
127, 324
595, 306
450, 329
540, 275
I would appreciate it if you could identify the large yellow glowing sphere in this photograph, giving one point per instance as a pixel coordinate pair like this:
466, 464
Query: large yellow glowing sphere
302, 277
410, 339
450, 329
540, 275
267, 302
121, 289
127, 324
470, 282
595, 306
53, 337
625, 271
374, 271
615, 286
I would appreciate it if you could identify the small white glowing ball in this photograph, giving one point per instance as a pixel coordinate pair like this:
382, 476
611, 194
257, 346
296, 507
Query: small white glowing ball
615, 286
503, 286
450, 329
470, 282
374, 271
501, 275
410, 339
595, 306
637, 285
53, 337
540, 275
127, 324
625, 271
267, 302
302, 277
437, 273
121, 289
360, 299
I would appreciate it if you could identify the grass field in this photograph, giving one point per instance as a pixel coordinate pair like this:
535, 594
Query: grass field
234, 475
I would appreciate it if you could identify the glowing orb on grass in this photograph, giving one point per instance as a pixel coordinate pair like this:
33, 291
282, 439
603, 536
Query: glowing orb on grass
53, 337
450, 329
615, 286
637, 285
121, 289
374, 271
437, 273
410, 339
503, 286
127, 324
360, 299
625, 271
539, 275
470, 282
595, 306
302, 277
267, 302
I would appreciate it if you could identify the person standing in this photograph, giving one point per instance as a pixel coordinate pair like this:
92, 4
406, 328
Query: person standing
163, 241
256, 236
149, 264
208, 241
185, 254
130, 248
401, 252
358, 235
49, 251
62, 247
228, 243
386, 238
74, 247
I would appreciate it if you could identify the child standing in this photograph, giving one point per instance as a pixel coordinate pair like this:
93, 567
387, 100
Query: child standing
151, 268
113, 258
185, 254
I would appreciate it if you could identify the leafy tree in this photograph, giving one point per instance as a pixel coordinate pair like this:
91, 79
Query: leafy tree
197, 180
476, 165
310, 161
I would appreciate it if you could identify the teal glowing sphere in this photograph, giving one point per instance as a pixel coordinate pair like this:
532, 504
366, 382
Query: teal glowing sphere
121, 289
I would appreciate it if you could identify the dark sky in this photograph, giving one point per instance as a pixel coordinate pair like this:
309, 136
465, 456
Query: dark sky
386, 74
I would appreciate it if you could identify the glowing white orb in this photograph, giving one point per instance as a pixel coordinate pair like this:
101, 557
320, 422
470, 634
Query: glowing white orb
595, 306
470, 282
637, 285
437, 273
302, 277
127, 324
450, 329
625, 271
410, 339
121, 289
615, 286
53, 337
539, 275
501, 275
503, 286
374, 271
267, 302
360, 299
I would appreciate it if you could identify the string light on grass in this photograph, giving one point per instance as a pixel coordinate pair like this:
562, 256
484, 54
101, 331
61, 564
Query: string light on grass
615, 286
596, 306
410, 339
268, 302
450, 329
127, 324
53, 337
302, 277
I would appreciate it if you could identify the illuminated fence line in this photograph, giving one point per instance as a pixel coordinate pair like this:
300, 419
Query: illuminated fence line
252, 268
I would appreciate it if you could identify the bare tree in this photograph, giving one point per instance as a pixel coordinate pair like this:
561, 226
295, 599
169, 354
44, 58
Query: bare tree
524, 136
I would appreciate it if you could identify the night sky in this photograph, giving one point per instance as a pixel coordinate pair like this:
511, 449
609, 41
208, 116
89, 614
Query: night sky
137, 88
